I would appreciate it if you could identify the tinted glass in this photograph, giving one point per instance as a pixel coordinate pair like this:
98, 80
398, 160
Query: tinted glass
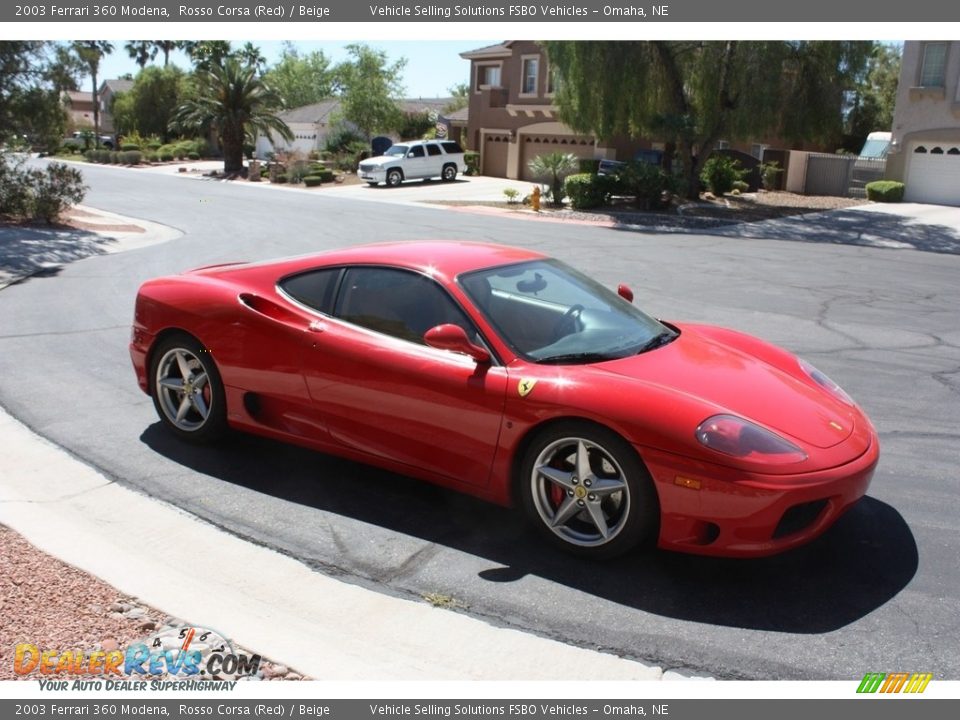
314, 289
433, 150
400, 150
452, 147
398, 303
551, 313
416, 151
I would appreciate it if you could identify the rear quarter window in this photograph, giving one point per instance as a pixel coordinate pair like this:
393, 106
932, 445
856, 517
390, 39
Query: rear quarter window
314, 288
433, 150
452, 147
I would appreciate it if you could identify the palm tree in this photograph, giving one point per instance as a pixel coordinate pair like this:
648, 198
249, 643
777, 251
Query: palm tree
554, 167
166, 47
141, 51
233, 102
90, 52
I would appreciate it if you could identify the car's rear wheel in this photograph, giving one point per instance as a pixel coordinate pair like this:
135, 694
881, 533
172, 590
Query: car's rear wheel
587, 491
394, 178
187, 390
449, 173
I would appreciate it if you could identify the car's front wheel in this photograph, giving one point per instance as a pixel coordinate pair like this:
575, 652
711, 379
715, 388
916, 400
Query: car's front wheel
187, 390
449, 173
394, 178
587, 490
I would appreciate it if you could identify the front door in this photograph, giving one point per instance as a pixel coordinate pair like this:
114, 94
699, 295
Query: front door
382, 391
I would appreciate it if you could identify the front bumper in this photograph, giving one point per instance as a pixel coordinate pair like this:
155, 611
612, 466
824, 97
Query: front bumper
724, 512
374, 175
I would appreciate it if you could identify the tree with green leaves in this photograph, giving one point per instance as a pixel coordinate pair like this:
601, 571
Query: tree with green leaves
553, 168
33, 76
206, 54
693, 93
232, 101
302, 79
459, 97
166, 47
875, 95
148, 107
370, 89
91, 52
141, 51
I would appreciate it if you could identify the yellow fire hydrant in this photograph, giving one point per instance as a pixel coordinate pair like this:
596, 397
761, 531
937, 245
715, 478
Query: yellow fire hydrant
535, 198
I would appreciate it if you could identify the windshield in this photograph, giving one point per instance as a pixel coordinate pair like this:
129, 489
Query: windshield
550, 313
400, 150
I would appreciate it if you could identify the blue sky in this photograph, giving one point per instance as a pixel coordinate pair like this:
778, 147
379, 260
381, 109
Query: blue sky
432, 66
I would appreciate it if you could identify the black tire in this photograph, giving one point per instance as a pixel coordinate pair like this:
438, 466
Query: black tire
197, 411
565, 507
394, 178
372, 184
449, 173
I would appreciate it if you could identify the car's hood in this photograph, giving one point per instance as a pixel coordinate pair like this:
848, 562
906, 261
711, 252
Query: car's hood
380, 160
737, 382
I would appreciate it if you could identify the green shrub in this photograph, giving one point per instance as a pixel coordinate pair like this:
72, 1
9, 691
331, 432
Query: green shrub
90, 155
154, 145
511, 194
134, 157
741, 186
193, 155
471, 159
586, 190
166, 155
38, 194
770, 175
720, 173
646, 183
888, 191
312, 180
113, 157
151, 156
282, 179
589, 165
129, 146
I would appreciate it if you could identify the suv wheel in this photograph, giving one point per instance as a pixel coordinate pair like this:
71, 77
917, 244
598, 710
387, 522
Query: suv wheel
449, 173
394, 178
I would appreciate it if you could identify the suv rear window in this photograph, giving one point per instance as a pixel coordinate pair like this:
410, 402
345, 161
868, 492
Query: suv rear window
433, 149
452, 147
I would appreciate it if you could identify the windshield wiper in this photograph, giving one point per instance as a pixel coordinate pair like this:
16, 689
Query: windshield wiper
580, 357
657, 341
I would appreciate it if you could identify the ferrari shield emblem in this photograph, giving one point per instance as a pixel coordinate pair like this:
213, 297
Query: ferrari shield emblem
525, 386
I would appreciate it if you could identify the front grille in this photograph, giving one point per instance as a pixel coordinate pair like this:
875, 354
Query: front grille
367, 167
799, 517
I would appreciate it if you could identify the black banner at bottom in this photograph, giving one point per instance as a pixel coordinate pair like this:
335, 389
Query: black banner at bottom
874, 708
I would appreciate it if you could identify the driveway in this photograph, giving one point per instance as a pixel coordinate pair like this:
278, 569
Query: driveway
905, 226
463, 189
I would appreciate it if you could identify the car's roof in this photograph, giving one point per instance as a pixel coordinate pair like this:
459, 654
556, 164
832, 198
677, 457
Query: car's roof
440, 259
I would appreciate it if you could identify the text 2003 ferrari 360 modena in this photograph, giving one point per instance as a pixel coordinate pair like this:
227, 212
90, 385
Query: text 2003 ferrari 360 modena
508, 375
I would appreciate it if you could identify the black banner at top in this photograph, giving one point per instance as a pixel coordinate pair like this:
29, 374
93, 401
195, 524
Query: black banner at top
618, 11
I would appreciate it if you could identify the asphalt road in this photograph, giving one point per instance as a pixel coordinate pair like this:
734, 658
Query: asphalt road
879, 592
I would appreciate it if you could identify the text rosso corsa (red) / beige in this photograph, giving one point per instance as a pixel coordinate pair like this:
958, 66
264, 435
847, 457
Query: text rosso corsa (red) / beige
278, 11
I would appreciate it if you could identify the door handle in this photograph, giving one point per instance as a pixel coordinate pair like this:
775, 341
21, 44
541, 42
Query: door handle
317, 326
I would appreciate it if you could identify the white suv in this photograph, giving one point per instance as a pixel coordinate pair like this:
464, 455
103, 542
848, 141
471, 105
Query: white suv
419, 159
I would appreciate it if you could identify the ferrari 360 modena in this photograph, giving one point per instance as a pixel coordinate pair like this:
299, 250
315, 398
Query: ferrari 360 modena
506, 374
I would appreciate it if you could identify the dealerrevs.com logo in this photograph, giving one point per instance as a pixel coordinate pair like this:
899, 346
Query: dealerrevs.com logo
176, 658
901, 682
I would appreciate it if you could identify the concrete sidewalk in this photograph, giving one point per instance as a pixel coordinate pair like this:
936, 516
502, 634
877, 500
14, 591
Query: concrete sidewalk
266, 602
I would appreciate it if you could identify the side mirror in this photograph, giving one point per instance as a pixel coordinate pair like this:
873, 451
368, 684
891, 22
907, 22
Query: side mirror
454, 338
625, 292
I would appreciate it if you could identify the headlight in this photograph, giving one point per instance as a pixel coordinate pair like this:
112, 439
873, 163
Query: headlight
739, 438
826, 383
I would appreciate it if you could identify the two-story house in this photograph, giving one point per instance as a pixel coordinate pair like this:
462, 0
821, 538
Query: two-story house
79, 108
511, 115
925, 146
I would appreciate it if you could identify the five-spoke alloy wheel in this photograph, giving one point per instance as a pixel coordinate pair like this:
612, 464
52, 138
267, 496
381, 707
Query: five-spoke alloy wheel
587, 490
187, 390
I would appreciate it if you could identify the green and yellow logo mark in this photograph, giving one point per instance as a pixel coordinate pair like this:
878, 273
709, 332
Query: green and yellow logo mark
894, 682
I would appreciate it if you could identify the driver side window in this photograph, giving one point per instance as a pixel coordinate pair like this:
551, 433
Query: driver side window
416, 151
399, 303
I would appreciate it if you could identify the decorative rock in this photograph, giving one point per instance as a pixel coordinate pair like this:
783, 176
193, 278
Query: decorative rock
109, 645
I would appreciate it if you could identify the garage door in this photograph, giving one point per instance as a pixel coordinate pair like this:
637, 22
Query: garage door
494, 158
534, 145
933, 174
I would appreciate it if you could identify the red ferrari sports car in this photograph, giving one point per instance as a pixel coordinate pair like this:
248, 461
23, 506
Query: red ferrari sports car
510, 376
